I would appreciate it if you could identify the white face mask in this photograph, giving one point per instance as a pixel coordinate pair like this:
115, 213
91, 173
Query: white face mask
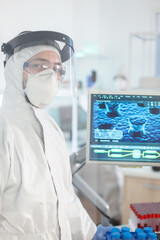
41, 87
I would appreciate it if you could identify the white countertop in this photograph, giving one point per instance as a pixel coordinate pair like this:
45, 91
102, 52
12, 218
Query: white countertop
144, 172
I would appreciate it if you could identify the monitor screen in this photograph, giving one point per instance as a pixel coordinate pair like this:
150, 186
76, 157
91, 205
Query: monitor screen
123, 128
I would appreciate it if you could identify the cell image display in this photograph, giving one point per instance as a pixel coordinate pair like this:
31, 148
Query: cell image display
125, 122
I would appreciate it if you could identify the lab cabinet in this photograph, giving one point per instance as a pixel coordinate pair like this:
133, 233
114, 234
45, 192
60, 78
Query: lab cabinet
140, 185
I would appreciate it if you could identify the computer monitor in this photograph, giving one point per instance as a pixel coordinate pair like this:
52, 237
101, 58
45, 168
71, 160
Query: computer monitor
123, 128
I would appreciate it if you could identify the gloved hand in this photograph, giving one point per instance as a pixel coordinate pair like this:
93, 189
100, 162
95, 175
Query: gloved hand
101, 233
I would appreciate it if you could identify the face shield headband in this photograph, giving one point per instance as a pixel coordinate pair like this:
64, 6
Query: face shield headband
29, 39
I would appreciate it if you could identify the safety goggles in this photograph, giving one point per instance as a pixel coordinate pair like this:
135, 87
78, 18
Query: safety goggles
34, 67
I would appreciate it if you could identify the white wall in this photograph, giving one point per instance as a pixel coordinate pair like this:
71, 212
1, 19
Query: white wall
20, 15
98, 27
104, 27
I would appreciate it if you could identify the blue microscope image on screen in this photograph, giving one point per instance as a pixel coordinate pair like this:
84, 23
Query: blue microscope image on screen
125, 122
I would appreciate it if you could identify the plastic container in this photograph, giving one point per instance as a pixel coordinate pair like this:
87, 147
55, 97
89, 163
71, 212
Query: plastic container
141, 236
137, 230
148, 230
115, 230
115, 236
145, 215
108, 232
125, 229
151, 236
126, 235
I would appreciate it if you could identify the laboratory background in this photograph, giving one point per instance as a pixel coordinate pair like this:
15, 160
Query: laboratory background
117, 47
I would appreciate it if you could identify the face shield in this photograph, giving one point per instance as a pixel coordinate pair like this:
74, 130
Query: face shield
62, 66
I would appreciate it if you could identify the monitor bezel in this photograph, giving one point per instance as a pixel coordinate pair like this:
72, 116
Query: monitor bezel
125, 163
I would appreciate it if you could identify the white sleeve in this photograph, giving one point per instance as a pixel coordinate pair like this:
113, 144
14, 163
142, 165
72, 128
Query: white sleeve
4, 159
82, 227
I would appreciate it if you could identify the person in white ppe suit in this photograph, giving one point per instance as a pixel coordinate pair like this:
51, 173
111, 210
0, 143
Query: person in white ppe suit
37, 200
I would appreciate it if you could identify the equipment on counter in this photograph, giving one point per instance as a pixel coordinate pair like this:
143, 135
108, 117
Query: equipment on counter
145, 215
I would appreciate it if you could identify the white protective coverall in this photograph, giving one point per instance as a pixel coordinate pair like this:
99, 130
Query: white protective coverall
37, 200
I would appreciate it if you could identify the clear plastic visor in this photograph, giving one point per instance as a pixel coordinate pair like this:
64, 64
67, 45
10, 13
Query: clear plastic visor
51, 59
